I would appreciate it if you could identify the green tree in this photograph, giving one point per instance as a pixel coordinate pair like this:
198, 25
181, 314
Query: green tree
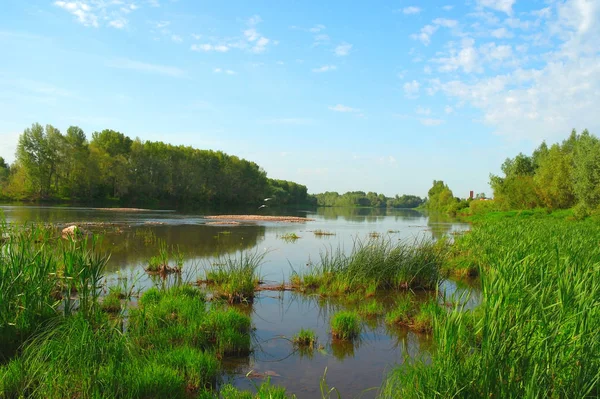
554, 179
586, 171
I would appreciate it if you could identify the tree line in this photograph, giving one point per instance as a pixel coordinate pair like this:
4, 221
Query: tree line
561, 176
370, 199
53, 166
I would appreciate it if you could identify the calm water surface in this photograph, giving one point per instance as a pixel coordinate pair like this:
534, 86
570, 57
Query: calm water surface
132, 238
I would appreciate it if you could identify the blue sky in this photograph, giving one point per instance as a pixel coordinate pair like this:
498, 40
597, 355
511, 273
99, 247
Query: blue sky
379, 96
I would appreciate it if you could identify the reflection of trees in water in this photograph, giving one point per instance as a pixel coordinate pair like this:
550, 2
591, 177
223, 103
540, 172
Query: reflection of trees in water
194, 241
412, 344
366, 214
440, 225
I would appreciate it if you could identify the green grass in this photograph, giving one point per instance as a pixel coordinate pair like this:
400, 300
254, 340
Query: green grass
160, 264
180, 316
345, 325
235, 278
322, 233
289, 237
419, 317
111, 303
536, 332
305, 338
371, 309
373, 265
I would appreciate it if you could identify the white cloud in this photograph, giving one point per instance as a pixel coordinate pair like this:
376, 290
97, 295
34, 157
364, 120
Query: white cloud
325, 68
124, 63
344, 108
176, 38
320, 39
288, 121
317, 28
93, 13
118, 23
219, 48
501, 33
448, 109
467, 59
447, 7
81, 10
225, 71
431, 122
343, 49
411, 89
411, 10
423, 111
498, 5
427, 70
424, 36
445, 22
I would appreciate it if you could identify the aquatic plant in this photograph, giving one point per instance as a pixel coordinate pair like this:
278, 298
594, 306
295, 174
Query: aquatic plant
289, 237
377, 264
536, 332
160, 264
345, 325
305, 338
321, 233
417, 316
371, 309
235, 277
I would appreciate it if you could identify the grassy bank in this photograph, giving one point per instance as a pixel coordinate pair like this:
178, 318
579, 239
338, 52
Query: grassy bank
537, 332
62, 337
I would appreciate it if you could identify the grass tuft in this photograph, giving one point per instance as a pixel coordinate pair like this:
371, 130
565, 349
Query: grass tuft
345, 325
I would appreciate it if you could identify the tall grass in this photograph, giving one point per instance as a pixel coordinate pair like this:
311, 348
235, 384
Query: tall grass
235, 277
374, 265
537, 332
42, 276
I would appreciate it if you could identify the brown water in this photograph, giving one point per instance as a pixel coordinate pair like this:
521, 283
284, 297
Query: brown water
355, 369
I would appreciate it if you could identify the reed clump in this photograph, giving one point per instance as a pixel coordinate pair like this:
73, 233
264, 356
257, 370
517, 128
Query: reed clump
345, 325
536, 332
235, 278
419, 317
305, 338
165, 262
376, 264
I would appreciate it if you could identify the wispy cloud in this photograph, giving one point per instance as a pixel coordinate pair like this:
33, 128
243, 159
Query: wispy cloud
344, 108
324, 68
424, 36
219, 48
225, 71
124, 63
343, 49
431, 122
411, 10
423, 111
411, 89
287, 121
316, 28
93, 13
498, 5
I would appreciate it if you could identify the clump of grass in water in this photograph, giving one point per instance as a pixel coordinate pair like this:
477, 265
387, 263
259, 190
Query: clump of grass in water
417, 317
111, 303
305, 338
289, 237
160, 264
235, 278
536, 332
374, 265
345, 325
371, 309
321, 233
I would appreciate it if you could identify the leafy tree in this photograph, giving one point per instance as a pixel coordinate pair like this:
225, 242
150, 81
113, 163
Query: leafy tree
586, 171
554, 178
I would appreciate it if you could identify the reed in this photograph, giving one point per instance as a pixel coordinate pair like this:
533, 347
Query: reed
536, 332
345, 325
235, 277
373, 265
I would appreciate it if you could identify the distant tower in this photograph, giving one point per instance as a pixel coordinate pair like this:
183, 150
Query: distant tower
471, 194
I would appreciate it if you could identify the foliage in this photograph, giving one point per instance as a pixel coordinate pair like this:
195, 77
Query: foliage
235, 278
370, 199
559, 177
305, 338
53, 166
377, 264
536, 332
441, 199
345, 325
